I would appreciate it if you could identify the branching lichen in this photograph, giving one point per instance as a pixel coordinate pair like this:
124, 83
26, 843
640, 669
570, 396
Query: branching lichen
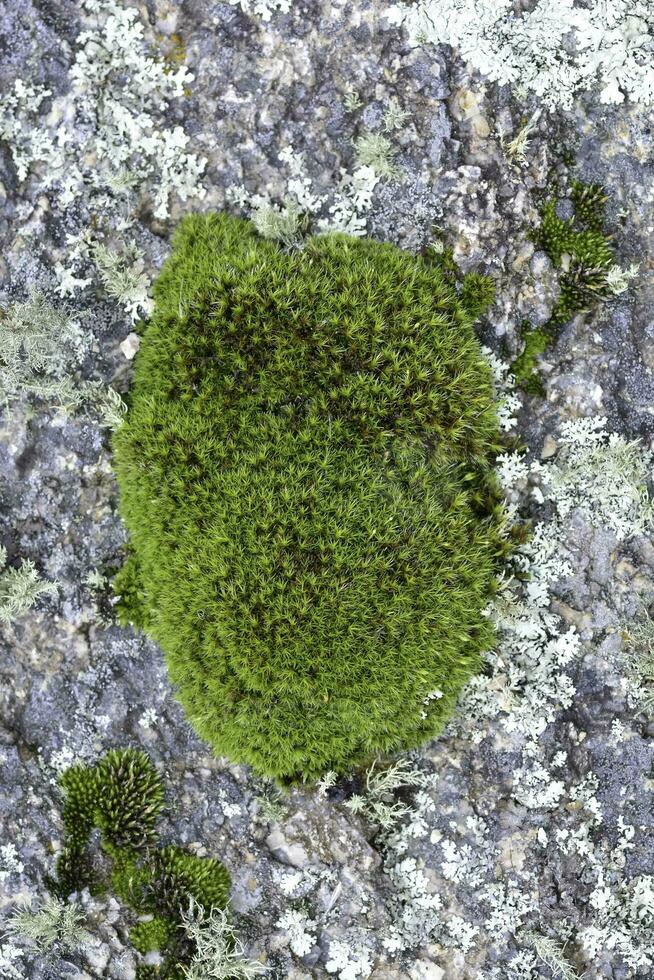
218, 953
376, 802
123, 278
41, 346
552, 954
20, 588
515, 149
278, 222
42, 349
639, 641
55, 925
376, 151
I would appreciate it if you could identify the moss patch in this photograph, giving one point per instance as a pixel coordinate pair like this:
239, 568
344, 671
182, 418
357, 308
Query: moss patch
306, 475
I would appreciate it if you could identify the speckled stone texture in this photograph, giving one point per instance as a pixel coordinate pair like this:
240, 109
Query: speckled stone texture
73, 684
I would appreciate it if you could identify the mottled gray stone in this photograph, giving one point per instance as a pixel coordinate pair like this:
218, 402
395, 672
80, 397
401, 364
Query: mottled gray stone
67, 681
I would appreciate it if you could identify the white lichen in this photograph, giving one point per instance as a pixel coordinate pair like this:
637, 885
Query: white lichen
506, 396
108, 138
262, 8
602, 475
9, 956
10, 863
618, 279
299, 930
348, 961
301, 209
554, 50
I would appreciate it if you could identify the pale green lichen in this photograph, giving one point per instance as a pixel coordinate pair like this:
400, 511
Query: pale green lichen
375, 150
55, 925
552, 954
40, 346
395, 117
42, 349
377, 801
515, 149
639, 641
278, 222
20, 588
123, 278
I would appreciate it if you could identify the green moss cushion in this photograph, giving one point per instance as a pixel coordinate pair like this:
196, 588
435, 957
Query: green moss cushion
305, 475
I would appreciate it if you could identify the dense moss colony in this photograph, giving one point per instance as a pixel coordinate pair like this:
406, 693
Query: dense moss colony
305, 471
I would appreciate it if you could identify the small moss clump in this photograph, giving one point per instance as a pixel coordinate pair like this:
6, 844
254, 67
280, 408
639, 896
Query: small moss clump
306, 475
153, 934
536, 340
122, 797
129, 800
175, 872
580, 248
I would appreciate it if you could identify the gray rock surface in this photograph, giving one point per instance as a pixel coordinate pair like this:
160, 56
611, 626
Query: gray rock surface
74, 684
